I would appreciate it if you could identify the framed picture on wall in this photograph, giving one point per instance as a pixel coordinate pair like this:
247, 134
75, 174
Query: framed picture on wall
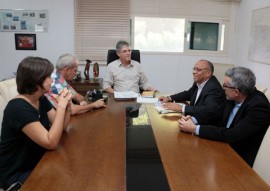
25, 41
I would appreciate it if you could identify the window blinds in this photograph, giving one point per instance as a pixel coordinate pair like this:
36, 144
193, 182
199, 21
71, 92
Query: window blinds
99, 25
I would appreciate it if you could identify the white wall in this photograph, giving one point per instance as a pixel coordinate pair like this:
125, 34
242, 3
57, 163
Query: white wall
243, 30
167, 72
58, 40
173, 73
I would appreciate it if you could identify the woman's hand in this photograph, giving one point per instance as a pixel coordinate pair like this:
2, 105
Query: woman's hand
83, 102
63, 98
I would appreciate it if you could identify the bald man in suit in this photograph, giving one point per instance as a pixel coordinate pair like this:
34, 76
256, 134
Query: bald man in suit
206, 96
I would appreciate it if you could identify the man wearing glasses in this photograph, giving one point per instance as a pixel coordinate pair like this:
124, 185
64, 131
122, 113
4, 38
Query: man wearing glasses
125, 74
206, 96
245, 119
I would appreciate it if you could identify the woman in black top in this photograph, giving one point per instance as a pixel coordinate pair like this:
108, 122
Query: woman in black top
30, 125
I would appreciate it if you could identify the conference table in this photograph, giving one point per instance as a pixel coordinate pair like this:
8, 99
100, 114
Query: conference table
92, 155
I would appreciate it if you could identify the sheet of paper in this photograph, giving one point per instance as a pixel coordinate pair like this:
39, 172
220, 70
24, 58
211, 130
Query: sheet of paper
146, 100
125, 95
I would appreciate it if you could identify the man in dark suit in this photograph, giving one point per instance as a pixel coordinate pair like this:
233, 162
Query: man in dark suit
206, 96
246, 116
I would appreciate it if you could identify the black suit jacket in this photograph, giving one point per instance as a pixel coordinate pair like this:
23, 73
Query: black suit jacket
210, 104
247, 129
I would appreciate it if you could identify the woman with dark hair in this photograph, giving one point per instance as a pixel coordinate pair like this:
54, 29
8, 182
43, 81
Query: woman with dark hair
30, 125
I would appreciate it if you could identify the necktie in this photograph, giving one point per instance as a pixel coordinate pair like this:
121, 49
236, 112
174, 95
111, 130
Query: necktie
232, 114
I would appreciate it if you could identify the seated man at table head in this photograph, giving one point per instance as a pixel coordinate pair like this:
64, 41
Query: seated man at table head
66, 68
30, 124
125, 74
245, 119
206, 96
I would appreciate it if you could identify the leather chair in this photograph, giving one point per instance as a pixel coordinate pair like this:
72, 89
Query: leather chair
262, 161
112, 56
8, 90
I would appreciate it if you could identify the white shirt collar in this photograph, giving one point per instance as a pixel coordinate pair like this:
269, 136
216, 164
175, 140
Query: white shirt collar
200, 86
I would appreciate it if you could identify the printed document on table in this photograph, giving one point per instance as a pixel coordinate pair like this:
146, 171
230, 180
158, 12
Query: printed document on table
125, 95
146, 100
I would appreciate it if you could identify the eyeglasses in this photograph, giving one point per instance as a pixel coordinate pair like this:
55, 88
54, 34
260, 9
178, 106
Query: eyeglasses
199, 69
225, 86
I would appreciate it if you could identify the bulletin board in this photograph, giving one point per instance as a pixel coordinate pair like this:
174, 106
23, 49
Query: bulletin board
23, 20
259, 47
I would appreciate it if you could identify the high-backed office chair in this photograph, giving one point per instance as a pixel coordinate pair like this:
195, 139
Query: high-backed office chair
262, 161
112, 56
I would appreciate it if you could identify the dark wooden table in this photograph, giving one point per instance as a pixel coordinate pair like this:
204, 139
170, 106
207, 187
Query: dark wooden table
91, 156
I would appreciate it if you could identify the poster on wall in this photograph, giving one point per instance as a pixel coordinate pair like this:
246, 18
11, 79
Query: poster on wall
12, 20
259, 47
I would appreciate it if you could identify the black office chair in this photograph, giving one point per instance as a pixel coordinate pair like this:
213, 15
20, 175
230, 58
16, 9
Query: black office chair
112, 56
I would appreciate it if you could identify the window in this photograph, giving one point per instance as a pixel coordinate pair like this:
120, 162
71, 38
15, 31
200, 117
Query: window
156, 25
159, 34
204, 36
153, 34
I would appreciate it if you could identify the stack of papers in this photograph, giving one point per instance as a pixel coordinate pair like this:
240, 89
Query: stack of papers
125, 95
146, 100
160, 109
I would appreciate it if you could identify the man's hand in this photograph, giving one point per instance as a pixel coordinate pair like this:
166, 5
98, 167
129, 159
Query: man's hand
172, 106
163, 99
99, 103
186, 124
